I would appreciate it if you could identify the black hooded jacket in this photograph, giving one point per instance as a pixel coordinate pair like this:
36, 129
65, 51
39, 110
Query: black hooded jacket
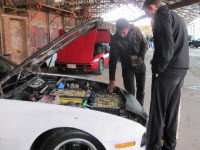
123, 48
171, 41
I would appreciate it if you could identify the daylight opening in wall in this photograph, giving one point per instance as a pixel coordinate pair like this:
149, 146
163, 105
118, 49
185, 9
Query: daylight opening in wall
58, 0
130, 12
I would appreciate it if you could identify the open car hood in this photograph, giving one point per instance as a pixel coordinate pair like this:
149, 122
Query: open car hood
79, 51
39, 57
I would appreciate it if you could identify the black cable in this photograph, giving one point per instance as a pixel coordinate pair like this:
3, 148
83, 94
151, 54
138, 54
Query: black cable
16, 82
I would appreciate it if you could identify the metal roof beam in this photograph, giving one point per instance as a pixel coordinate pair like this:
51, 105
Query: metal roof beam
183, 3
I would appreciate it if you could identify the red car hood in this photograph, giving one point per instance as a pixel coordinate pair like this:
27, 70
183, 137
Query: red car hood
79, 51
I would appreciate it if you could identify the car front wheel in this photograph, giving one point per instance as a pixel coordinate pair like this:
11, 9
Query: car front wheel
100, 68
71, 140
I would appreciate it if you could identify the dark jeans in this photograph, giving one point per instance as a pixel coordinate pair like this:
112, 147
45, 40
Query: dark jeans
163, 116
129, 76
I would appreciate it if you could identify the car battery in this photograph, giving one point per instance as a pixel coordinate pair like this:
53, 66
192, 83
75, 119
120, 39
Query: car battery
110, 103
70, 93
66, 96
65, 100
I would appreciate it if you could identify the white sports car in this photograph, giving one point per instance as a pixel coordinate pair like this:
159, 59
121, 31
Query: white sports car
42, 111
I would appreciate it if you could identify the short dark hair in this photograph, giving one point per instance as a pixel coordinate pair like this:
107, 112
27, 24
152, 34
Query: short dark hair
147, 3
122, 23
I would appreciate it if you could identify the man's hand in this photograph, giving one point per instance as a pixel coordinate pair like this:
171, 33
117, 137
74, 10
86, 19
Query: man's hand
139, 61
111, 86
157, 75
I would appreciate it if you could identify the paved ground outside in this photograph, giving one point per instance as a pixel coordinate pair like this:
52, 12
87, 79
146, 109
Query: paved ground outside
189, 132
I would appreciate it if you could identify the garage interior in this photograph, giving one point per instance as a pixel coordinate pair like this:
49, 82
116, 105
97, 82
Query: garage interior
28, 25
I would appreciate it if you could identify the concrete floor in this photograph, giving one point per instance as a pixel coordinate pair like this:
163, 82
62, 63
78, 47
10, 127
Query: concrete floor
189, 131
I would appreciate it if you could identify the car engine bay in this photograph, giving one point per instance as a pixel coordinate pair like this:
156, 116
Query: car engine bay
69, 91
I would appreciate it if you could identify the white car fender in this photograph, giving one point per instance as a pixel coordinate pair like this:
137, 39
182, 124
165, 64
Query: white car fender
22, 122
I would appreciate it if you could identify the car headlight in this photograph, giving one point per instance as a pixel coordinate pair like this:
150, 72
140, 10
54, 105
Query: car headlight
96, 60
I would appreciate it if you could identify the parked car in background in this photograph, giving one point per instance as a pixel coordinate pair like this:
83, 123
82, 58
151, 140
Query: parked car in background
194, 43
42, 111
89, 53
191, 38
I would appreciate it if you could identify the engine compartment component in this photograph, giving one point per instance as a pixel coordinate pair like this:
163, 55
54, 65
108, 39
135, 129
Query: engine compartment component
69, 93
37, 84
73, 92
109, 101
94, 100
81, 93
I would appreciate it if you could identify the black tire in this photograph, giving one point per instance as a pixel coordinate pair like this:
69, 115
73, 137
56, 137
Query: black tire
66, 139
100, 68
192, 46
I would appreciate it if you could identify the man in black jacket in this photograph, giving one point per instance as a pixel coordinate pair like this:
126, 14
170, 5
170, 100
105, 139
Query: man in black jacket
129, 46
169, 66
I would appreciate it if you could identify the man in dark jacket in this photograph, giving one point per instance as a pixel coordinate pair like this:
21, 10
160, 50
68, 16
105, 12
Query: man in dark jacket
129, 46
169, 66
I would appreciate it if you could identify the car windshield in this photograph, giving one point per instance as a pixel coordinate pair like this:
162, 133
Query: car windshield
97, 49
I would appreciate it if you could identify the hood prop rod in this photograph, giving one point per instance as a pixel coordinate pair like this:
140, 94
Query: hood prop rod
19, 75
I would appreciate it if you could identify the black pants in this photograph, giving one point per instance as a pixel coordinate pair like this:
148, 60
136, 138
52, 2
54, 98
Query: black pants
163, 116
129, 83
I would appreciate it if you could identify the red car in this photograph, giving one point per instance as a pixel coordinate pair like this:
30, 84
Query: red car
90, 53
